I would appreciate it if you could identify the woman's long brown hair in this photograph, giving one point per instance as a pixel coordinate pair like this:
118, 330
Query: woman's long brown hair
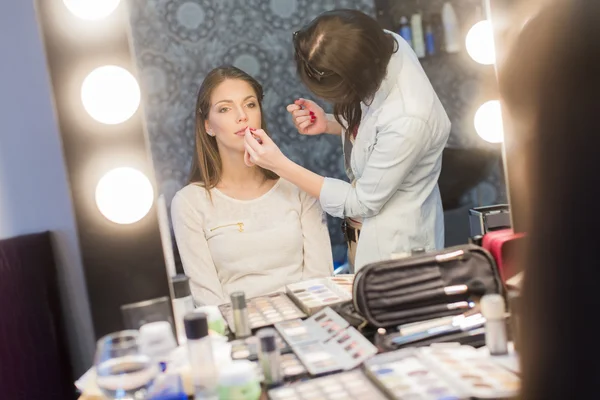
207, 168
342, 57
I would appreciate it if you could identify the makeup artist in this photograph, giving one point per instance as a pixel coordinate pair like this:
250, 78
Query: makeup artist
393, 130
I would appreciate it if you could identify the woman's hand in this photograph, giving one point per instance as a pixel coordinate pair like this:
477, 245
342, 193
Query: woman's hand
308, 117
262, 151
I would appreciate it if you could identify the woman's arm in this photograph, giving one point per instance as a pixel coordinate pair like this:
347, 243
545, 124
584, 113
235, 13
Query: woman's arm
333, 127
195, 254
401, 144
318, 258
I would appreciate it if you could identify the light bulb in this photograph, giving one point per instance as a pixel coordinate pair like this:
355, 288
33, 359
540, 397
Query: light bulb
91, 9
124, 195
488, 122
110, 94
480, 43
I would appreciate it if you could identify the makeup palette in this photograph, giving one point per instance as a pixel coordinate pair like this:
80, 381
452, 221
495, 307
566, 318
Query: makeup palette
344, 386
347, 350
475, 373
313, 295
318, 328
291, 367
266, 310
441, 371
404, 376
343, 281
247, 349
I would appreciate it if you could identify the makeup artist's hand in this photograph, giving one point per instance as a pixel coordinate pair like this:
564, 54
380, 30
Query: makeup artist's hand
308, 116
261, 150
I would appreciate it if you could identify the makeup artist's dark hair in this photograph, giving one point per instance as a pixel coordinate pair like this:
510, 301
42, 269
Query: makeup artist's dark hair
342, 57
551, 90
206, 165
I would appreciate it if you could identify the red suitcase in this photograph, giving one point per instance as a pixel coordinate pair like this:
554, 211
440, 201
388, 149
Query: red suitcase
502, 244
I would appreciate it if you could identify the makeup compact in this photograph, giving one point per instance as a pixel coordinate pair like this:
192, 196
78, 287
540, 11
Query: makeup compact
265, 311
313, 295
326, 342
291, 368
247, 349
343, 281
344, 386
476, 373
347, 350
318, 328
403, 375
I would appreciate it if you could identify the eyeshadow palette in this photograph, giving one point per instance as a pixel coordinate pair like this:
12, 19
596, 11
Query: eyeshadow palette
443, 371
247, 349
343, 281
265, 311
345, 386
475, 373
404, 376
345, 351
313, 295
291, 367
318, 328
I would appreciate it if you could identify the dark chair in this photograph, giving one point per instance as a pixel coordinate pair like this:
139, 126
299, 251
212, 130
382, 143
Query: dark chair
34, 363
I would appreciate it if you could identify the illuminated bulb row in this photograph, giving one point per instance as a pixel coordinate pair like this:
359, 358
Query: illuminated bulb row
111, 95
480, 46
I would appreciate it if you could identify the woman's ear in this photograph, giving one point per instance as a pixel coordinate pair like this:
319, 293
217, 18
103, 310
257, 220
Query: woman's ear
207, 129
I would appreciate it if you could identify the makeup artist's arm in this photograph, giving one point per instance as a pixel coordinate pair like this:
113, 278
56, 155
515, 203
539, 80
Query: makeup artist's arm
269, 156
400, 145
195, 254
318, 258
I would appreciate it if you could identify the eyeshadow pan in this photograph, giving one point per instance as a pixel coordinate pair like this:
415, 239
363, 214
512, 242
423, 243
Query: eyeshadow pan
330, 388
313, 295
265, 311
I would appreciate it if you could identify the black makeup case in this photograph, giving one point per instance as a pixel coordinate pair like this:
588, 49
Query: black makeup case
425, 286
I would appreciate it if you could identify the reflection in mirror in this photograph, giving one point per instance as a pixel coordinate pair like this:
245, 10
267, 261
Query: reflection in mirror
472, 172
176, 43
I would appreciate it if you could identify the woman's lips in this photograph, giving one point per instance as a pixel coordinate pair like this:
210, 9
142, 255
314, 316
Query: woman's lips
241, 132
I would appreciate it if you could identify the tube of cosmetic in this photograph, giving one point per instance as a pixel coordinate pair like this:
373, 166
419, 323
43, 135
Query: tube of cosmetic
493, 310
269, 357
240, 315
203, 369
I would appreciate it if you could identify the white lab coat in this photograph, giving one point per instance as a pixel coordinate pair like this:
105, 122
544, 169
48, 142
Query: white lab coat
395, 161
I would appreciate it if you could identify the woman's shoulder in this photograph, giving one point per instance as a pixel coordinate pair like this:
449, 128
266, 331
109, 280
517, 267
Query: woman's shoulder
191, 194
289, 189
294, 192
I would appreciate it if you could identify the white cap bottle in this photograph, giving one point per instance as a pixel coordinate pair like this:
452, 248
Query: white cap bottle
493, 310
416, 23
451, 30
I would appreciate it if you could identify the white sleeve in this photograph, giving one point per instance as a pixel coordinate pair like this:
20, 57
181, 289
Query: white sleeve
318, 257
195, 254
400, 145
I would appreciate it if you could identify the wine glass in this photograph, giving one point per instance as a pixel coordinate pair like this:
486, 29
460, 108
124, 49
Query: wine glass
122, 371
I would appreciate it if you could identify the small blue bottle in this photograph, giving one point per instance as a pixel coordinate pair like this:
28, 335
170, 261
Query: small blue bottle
405, 30
429, 40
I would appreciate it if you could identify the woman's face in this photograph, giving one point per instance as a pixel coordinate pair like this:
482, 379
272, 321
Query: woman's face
233, 108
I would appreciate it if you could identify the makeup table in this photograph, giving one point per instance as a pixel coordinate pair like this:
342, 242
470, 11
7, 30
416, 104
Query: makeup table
324, 357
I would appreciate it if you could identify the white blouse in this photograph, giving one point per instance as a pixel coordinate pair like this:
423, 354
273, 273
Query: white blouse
395, 161
257, 246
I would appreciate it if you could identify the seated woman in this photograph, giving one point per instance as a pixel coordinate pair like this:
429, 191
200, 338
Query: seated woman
241, 227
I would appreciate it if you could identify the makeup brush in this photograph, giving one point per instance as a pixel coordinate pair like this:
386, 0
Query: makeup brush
474, 287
